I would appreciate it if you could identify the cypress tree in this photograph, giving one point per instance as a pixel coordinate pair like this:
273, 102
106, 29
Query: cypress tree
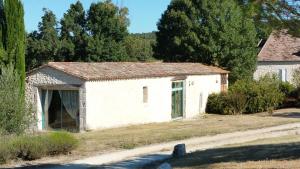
14, 42
2, 32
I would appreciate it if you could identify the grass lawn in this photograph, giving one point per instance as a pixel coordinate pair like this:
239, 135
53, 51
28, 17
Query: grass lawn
130, 137
103, 141
281, 152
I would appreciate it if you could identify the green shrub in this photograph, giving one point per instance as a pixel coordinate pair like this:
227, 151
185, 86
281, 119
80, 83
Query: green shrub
287, 88
216, 103
15, 116
236, 102
28, 147
248, 96
34, 147
270, 92
5, 153
60, 143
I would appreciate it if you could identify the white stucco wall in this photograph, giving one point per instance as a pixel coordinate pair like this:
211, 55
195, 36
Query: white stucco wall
120, 102
274, 67
114, 103
197, 90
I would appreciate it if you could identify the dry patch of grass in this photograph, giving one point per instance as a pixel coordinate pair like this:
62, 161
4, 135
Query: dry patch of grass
281, 152
139, 135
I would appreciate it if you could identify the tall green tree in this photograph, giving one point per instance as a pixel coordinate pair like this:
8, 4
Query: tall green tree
138, 48
107, 27
212, 32
44, 45
14, 37
73, 33
2, 32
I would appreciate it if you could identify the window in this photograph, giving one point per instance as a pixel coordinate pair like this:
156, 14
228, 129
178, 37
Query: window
283, 75
145, 94
177, 99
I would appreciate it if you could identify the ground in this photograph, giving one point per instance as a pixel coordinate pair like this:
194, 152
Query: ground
279, 153
139, 135
110, 140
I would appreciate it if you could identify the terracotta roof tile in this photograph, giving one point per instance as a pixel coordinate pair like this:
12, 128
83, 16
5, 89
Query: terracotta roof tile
130, 70
280, 47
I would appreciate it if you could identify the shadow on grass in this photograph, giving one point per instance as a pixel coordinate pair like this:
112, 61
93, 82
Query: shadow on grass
290, 151
127, 164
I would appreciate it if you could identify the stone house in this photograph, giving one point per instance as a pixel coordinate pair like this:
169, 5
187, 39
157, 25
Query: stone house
85, 96
280, 55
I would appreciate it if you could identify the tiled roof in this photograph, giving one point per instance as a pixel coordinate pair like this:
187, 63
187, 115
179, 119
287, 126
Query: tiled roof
130, 70
280, 47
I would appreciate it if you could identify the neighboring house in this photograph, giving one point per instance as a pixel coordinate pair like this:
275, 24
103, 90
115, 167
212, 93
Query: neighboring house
87, 96
280, 55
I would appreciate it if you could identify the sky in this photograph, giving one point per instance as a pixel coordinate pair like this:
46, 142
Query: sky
143, 14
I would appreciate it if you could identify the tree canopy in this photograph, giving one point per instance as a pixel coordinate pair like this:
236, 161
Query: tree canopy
44, 45
100, 34
73, 33
212, 32
273, 14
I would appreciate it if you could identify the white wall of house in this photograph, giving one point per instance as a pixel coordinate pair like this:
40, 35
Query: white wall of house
283, 69
197, 90
114, 103
120, 102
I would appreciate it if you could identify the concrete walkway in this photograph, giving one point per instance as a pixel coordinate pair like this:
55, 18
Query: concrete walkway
139, 157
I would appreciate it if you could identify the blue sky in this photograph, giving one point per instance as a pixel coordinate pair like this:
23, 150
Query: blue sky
143, 14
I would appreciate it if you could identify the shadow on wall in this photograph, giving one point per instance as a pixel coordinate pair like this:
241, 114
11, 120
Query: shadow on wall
206, 158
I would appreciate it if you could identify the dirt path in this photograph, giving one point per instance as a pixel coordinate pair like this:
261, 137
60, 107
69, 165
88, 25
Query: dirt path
139, 157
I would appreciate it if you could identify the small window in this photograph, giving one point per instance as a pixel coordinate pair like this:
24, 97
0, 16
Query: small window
283, 75
145, 94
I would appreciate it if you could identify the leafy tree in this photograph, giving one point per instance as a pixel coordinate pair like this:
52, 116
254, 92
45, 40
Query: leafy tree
14, 37
213, 32
273, 14
73, 33
139, 49
149, 36
107, 27
44, 45
33, 52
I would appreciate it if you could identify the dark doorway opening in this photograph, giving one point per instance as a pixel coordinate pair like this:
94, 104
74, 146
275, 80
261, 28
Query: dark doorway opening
63, 110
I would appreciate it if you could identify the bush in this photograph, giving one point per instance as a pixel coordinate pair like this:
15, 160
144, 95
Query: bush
248, 96
287, 88
236, 103
15, 116
5, 153
28, 147
60, 143
216, 103
34, 147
